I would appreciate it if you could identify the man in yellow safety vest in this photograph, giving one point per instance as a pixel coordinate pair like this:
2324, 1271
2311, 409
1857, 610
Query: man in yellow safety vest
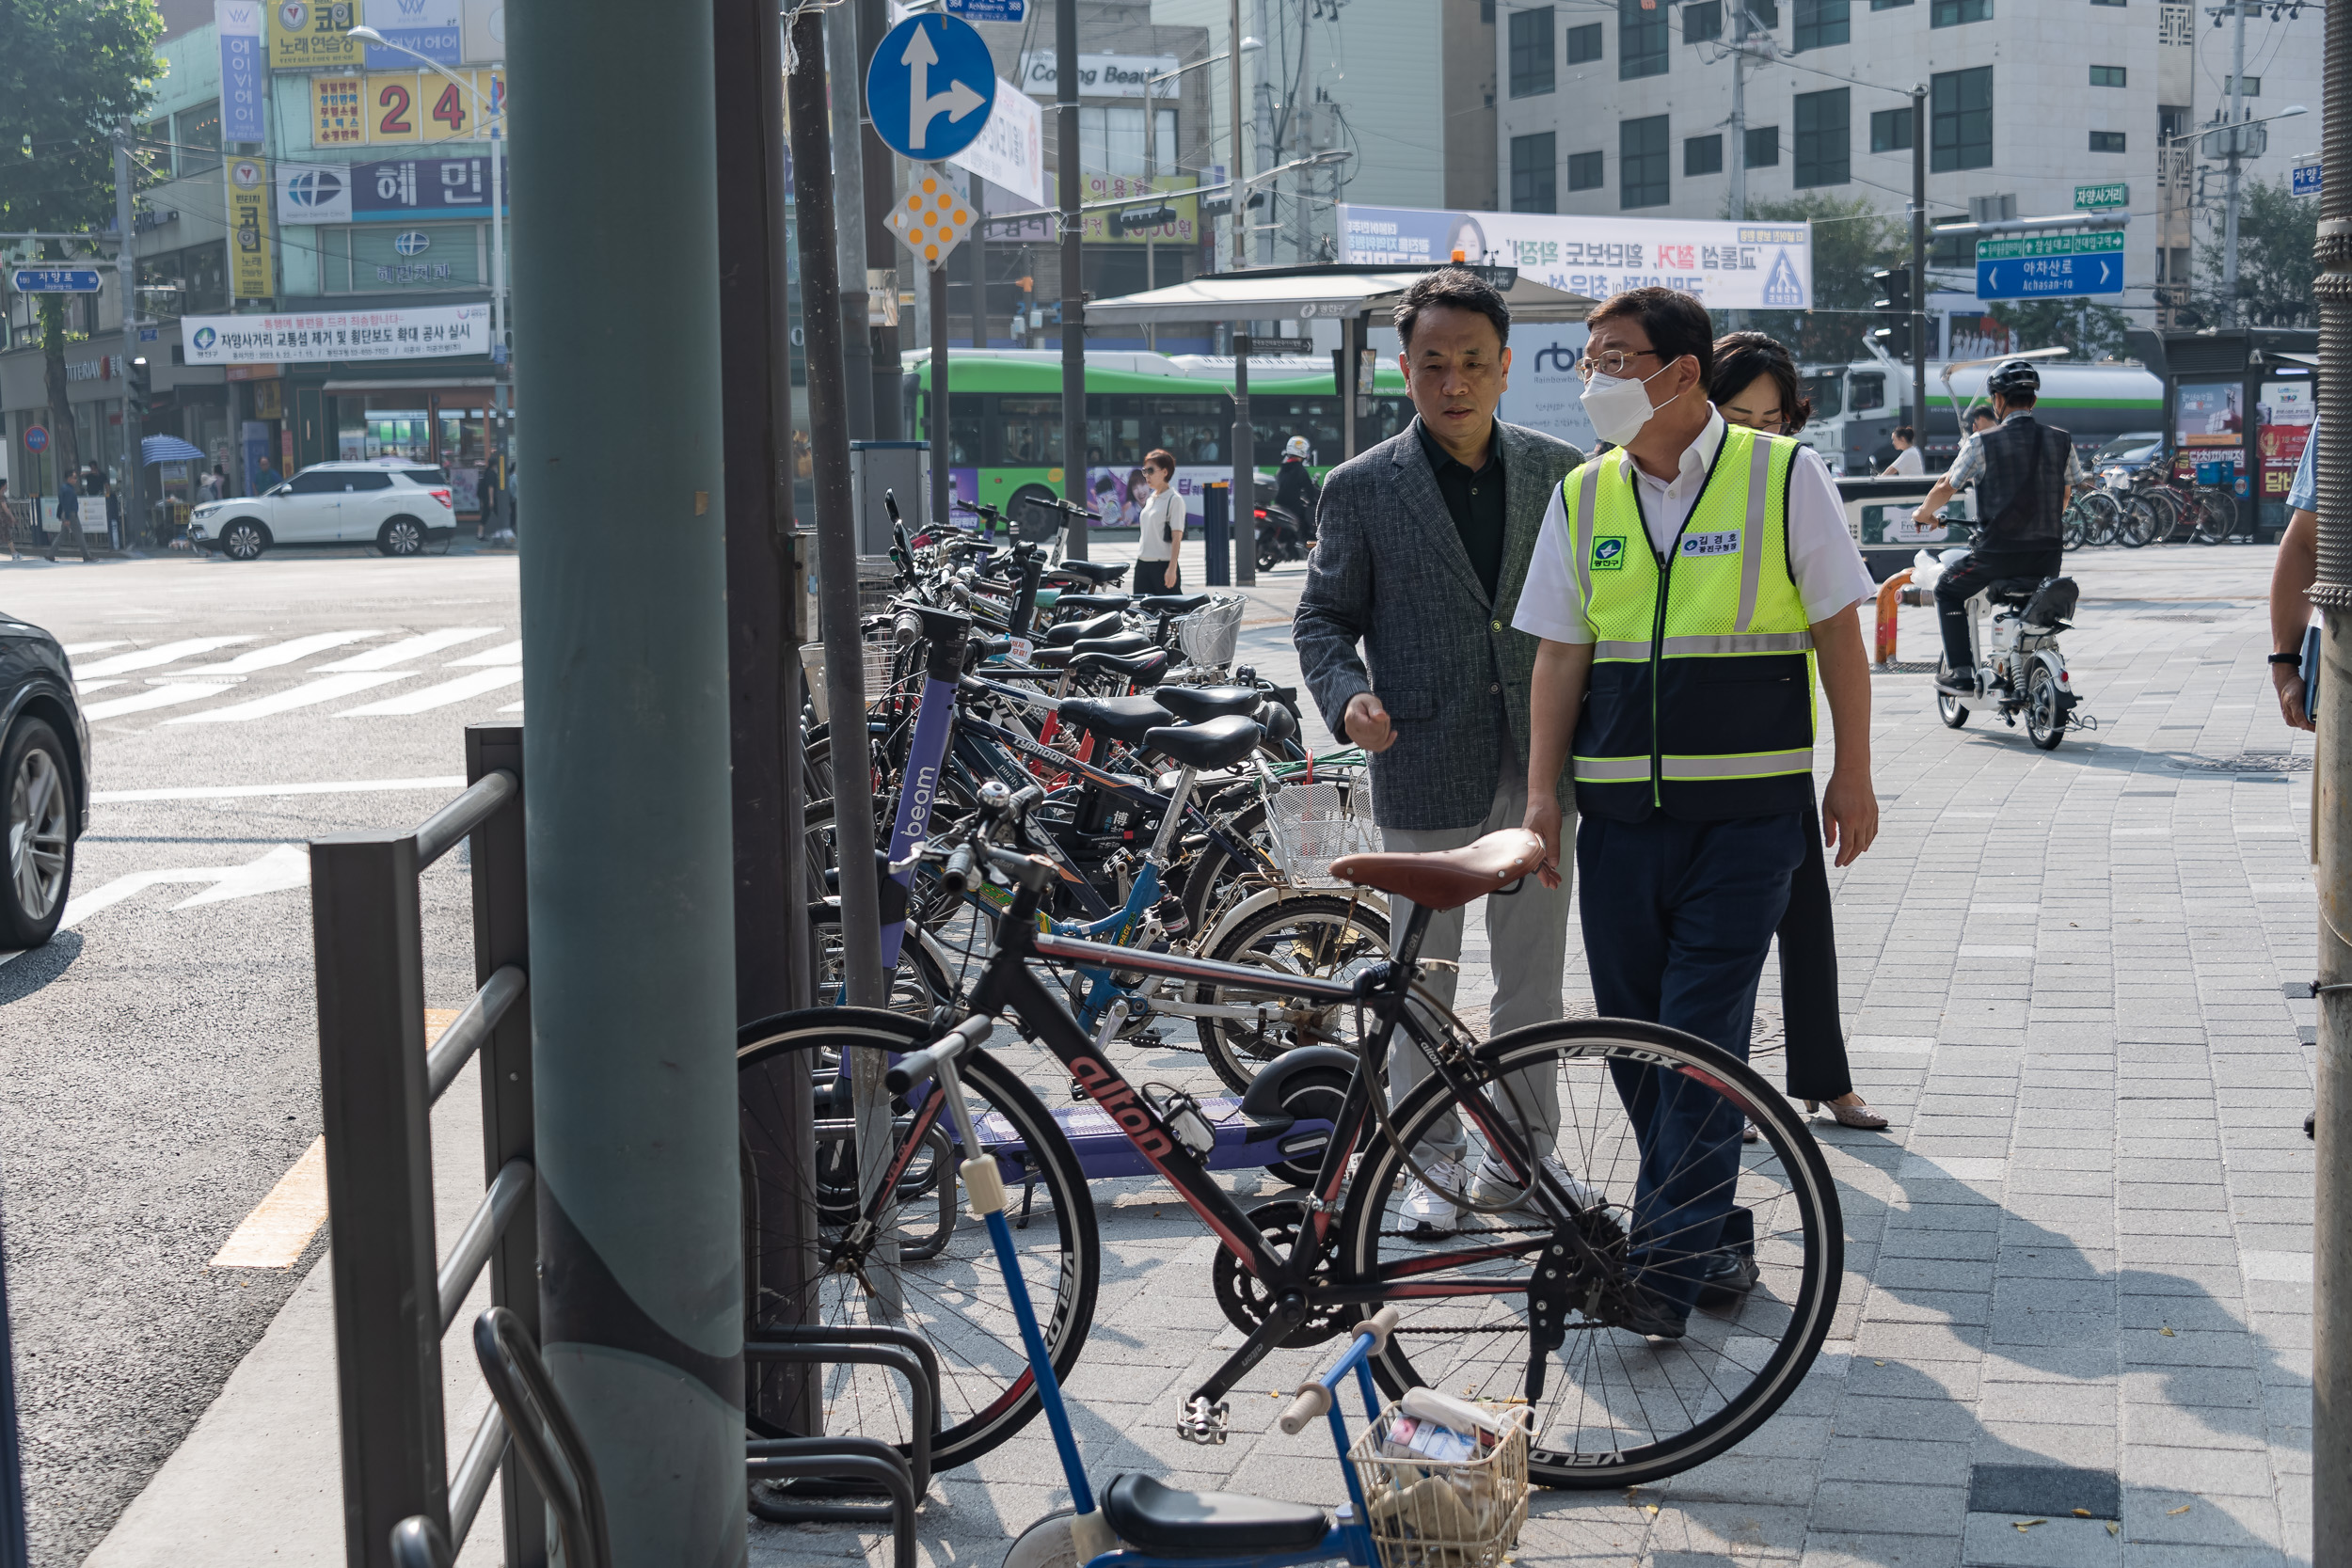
1686, 587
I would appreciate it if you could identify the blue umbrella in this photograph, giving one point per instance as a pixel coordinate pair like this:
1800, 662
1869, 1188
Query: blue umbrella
169, 449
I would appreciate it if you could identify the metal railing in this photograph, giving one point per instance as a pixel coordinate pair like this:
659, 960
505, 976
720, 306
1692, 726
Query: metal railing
393, 1299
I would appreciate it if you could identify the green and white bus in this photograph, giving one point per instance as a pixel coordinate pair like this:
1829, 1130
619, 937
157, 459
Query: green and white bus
1005, 422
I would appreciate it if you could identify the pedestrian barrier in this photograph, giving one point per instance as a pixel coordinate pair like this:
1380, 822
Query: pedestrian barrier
378, 1084
1889, 593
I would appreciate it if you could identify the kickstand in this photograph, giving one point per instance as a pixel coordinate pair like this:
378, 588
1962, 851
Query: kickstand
1029, 1190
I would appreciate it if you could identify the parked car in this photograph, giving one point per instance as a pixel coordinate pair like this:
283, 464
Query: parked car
2128, 453
400, 510
45, 779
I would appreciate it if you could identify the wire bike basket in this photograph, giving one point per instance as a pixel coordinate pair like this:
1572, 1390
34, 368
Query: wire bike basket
1209, 633
1430, 1513
1314, 824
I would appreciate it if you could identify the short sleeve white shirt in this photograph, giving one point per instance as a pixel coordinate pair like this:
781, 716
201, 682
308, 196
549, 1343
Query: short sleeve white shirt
1163, 514
1822, 554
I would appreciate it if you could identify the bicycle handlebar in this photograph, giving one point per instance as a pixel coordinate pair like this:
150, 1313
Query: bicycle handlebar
1314, 1398
907, 1071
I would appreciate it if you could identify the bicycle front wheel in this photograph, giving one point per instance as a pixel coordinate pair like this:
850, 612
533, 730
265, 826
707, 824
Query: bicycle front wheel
1616, 1408
809, 1257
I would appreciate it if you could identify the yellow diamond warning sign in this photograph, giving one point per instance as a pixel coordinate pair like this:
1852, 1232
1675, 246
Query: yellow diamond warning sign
931, 219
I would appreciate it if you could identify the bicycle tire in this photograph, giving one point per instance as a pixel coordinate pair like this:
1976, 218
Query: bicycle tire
2103, 513
2208, 525
1348, 933
2140, 524
955, 1298
1798, 1246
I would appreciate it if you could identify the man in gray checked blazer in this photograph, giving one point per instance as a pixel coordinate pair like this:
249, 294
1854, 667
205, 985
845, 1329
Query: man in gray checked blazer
1421, 547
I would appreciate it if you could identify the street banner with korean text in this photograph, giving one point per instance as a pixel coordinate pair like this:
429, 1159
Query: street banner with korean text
250, 274
1729, 266
411, 107
314, 34
244, 82
1010, 151
316, 336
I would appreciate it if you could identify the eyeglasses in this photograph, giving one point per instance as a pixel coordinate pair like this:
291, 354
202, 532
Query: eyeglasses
1611, 362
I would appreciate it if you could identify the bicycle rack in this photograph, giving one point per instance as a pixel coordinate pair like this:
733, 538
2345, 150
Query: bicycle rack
864, 1461
378, 1084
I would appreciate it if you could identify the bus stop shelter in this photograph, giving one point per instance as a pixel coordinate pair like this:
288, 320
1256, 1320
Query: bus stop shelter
1347, 295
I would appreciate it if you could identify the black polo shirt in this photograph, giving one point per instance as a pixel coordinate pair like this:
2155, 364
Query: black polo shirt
1474, 500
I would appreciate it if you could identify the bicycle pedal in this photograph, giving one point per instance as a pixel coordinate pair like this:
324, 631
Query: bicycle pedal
1204, 1423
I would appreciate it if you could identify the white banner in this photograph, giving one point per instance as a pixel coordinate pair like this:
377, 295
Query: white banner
1729, 266
1099, 75
1010, 151
313, 336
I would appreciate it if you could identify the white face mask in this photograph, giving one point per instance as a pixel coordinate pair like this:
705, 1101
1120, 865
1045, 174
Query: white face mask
1617, 405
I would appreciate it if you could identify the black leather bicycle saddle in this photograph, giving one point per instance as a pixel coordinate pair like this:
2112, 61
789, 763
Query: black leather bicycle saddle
1096, 572
1123, 645
1077, 631
1142, 669
1217, 743
1096, 603
1196, 703
1049, 658
1143, 1512
2012, 590
1172, 603
1127, 719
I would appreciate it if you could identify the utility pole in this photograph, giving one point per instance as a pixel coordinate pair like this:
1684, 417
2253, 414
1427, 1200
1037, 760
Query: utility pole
941, 480
1239, 208
1919, 262
126, 284
2237, 103
1244, 467
1074, 308
879, 170
1739, 111
848, 204
805, 63
636, 1142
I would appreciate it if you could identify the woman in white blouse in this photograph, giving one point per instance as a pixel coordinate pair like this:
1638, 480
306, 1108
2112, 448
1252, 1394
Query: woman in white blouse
1163, 526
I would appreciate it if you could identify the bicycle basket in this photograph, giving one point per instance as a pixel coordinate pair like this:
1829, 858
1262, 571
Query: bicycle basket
1208, 634
1314, 824
1426, 1512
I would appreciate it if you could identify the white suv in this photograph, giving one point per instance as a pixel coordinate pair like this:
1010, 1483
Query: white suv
399, 509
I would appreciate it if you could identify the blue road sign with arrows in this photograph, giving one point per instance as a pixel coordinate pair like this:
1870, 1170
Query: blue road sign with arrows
2044, 266
56, 280
931, 87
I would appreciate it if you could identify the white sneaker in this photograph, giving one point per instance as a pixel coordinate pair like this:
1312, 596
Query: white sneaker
1428, 1213
1495, 1184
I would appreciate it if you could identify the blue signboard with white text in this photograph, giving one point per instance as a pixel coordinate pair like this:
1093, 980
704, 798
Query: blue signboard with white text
400, 190
2307, 179
244, 79
989, 11
55, 281
2047, 266
931, 87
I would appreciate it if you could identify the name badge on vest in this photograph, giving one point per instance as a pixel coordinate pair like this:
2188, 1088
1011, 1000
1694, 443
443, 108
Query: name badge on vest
1609, 553
1710, 544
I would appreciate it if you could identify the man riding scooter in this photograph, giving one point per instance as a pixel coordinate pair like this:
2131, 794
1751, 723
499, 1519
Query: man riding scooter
2025, 473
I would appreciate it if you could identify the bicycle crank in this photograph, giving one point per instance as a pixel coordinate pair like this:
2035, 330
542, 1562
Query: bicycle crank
1247, 1302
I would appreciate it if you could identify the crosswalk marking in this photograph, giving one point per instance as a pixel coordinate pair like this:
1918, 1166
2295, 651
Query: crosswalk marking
76, 650
147, 659
154, 696
83, 688
511, 708
408, 648
505, 652
281, 652
440, 696
311, 692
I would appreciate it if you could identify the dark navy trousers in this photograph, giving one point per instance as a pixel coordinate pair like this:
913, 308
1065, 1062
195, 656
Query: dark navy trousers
1677, 918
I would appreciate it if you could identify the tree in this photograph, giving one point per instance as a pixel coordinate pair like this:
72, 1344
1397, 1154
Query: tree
2277, 231
1851, 240
2091, 331
72, 73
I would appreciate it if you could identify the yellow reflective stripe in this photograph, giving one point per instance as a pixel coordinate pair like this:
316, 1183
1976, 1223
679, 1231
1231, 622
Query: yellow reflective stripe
1635, 652
1748, 765
1581, 535
1611, 770
1750, 551
1752, 642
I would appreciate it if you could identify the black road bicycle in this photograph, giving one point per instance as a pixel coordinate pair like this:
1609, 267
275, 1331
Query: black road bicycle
1542, 1289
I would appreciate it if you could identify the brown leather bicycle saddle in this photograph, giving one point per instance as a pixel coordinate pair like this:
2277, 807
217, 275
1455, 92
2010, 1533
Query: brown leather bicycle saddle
1445, 879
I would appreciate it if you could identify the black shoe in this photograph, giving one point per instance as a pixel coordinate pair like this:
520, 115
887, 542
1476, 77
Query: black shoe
2311, 1123
1645, 1312
1961, 682
1724, 1278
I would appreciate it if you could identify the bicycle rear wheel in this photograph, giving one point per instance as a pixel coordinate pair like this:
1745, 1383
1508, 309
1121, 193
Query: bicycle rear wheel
1617, 1409
802, 1244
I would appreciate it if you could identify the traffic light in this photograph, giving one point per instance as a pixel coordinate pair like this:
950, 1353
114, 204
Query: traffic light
1893, 304
1137, 220
141, 387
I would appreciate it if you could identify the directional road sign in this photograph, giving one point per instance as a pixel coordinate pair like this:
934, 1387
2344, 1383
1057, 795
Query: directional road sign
56, 280
2307, 179
931, 87
2042, 266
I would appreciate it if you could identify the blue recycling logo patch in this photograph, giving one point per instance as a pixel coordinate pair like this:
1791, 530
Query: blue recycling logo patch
1781, 287
1609, 553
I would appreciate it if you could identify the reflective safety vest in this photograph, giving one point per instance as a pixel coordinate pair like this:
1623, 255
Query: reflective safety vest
1700, 702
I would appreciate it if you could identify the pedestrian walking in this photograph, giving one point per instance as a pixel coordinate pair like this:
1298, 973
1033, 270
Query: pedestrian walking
1684, 588
1425, 543
268, 479
69, 501
1160, 526
1755, 384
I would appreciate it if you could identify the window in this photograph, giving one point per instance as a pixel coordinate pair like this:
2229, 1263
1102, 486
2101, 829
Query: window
318, 482
1821, 24
1890, 130
2107, 2
1530, 52
1642, 163
1702, 20
2107, 75
1585, 171
1960, 119
1533, 183
2253, 85
1641, 40
197, 132
1824, 137
2106, 141
1763, 146
368, 482
1951, 13
1703, 156
1766, 13
1584, 44
1870, 390
1110, 139
1887, 5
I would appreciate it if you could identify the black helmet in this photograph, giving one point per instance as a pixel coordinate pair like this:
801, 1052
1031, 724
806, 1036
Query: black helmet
2014, 375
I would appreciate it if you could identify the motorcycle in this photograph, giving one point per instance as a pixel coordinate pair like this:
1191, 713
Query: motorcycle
2020, 667
1280, 537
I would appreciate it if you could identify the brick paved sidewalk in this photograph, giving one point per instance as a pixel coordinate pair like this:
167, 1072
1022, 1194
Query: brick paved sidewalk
2080, 1262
